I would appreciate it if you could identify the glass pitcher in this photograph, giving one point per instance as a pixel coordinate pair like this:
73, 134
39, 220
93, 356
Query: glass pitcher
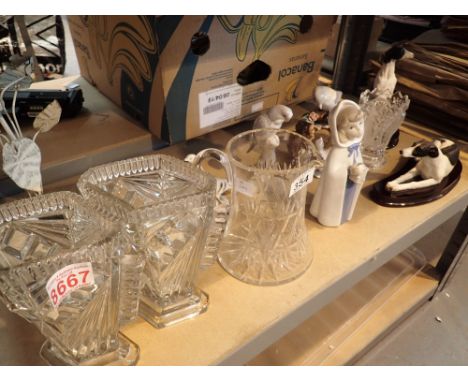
266, 242
57, 270
165, 208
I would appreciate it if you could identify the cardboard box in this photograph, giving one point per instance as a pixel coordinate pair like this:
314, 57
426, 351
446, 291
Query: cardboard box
185, 76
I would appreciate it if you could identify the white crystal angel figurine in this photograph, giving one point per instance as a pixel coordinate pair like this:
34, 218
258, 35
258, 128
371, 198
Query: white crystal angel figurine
21, 155
344, 172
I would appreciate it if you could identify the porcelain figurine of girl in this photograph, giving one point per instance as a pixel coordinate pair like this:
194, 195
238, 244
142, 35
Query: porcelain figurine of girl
344, 172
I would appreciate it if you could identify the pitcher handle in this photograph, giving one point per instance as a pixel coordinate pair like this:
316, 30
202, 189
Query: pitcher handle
223, 203
221, 157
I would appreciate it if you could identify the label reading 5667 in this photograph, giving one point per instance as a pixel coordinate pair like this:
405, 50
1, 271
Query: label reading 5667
68, 279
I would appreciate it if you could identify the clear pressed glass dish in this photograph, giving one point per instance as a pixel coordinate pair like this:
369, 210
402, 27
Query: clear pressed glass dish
165, 207
57, 270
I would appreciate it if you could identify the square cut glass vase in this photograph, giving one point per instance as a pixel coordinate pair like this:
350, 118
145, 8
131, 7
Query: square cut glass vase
165, 209
58, 271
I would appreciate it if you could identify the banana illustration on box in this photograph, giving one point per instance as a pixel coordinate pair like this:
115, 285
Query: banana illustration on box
124, 46
291, 89
263, 31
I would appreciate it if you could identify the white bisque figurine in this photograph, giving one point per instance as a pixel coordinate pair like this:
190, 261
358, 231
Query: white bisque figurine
267, 142
273, 118
435, 161
385, 80
344, 172
326, 97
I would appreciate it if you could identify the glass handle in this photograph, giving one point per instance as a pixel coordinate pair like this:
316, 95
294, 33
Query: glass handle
222, 185
223, 204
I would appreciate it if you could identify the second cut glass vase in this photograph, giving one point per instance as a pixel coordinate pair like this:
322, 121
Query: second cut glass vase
165, 210
382, 118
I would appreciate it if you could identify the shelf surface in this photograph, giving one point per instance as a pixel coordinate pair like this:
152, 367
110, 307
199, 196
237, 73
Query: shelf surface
353, 322
397, 308
242, 320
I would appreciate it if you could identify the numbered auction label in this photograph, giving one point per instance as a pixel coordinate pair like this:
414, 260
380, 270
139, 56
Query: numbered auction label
68, 279
301, 181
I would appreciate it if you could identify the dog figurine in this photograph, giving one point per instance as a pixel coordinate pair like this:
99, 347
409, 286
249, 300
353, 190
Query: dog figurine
436, 160
385, 81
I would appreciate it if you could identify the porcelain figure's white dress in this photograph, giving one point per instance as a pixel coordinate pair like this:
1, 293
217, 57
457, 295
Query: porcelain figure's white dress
343, 173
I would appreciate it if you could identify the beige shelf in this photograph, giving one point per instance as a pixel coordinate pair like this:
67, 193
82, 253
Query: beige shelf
344, 329
407, 300
243, 320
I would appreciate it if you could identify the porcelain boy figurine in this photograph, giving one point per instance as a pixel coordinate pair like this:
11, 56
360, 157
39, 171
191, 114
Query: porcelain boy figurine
267, 142
273, 118
344, 172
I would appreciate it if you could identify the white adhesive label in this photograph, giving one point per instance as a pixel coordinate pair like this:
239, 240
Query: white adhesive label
245, 187
301, 181
258, 106
68, 279
219, 104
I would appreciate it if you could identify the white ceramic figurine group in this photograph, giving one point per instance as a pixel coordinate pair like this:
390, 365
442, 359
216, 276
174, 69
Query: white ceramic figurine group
344, 172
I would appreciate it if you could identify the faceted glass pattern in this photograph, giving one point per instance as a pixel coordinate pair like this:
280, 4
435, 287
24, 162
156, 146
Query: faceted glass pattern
165, 207
42, 235
266, 239
383, 117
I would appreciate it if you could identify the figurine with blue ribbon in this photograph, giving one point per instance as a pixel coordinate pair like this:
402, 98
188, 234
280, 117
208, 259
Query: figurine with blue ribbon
344, 172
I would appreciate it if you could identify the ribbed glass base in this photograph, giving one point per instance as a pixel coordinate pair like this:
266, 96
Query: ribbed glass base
127, 354
182, 309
